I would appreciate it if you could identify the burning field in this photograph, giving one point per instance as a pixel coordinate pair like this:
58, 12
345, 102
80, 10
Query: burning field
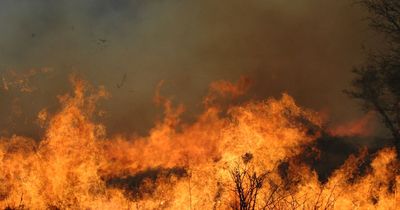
256, 154
197, 105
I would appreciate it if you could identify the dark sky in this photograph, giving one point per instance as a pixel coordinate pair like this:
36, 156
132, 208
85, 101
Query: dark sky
306, 48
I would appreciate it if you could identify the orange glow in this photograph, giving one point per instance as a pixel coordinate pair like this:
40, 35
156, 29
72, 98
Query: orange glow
187, 166
363, 126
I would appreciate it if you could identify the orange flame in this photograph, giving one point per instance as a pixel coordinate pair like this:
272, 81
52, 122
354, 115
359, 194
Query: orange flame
221, 161
360, 127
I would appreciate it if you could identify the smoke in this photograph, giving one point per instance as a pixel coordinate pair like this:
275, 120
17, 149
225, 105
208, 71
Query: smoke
306, 48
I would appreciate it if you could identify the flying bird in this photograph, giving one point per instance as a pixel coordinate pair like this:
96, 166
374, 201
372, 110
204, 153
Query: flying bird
123, 80
102, 41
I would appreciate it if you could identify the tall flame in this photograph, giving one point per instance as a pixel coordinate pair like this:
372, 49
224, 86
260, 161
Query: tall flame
241, 157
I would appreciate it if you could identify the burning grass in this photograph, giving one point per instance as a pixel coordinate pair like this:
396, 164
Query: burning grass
256, 155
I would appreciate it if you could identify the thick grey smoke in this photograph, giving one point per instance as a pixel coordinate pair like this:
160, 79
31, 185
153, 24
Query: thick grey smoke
306, 48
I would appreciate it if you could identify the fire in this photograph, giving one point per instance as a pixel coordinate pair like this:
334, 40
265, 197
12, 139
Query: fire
360, 127
244, 156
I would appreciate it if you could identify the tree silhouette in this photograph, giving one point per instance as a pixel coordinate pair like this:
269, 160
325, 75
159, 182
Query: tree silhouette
377, 82
247, 184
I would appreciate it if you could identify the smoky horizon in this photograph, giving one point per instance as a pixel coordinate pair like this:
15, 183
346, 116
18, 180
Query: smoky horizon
306, 49
228, 104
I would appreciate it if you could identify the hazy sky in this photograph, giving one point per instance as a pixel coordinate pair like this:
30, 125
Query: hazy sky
306, 48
